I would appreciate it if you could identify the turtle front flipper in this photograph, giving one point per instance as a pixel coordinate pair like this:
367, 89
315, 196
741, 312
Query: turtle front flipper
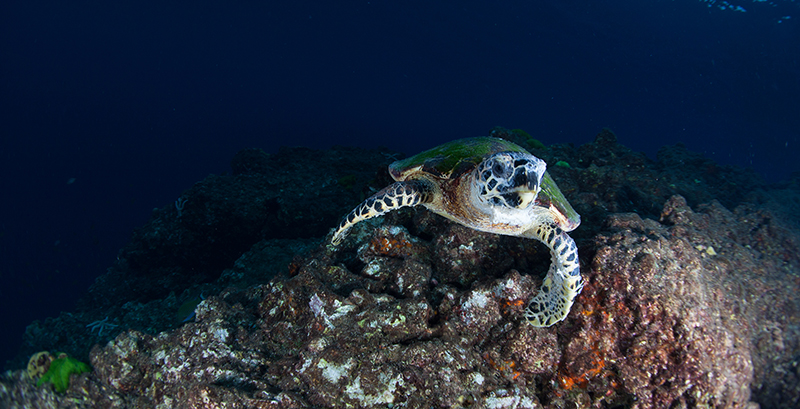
394, 196
563, 281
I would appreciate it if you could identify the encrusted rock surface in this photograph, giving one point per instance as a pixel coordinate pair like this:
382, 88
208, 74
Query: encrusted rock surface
689, 302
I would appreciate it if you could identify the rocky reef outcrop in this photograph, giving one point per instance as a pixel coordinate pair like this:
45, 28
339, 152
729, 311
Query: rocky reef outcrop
691, 298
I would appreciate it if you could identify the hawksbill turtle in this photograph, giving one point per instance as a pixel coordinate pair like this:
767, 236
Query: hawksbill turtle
495, 186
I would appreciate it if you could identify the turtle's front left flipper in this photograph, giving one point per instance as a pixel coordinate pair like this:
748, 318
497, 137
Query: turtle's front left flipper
563, 281
394, 196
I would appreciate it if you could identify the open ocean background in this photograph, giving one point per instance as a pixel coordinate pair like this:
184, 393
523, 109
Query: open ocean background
110, 109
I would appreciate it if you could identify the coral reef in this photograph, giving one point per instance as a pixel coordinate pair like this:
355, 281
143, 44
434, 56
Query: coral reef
690, 301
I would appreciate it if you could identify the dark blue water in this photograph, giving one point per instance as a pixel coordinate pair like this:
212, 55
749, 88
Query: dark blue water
110, 109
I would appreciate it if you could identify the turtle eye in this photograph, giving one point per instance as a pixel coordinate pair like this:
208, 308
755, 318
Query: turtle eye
500, 170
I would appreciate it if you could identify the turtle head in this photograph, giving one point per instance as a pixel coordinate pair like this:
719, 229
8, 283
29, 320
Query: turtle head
518, 181
510, 179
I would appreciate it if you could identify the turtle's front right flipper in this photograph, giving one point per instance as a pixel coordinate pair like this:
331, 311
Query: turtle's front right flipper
394, 196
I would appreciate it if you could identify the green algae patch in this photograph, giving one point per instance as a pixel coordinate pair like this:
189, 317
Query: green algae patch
60, 370
453, 157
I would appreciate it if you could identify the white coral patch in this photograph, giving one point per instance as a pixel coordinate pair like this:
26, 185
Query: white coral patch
333, 372
509, 402
306, 364
382, 397
341, 309
317, 306
221, 334
447, 357
373, 268
477, 299
354, 389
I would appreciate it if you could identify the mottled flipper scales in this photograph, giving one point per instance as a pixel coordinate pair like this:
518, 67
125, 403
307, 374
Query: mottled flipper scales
395, 196
563, 281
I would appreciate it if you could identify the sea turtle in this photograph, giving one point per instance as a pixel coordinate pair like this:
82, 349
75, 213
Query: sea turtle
491, 185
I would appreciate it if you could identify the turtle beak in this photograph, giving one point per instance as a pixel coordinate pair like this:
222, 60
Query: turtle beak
550, 196
526, 182
527, 191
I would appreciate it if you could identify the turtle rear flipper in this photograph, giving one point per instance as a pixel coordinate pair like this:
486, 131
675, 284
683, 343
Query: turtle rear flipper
394, 196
